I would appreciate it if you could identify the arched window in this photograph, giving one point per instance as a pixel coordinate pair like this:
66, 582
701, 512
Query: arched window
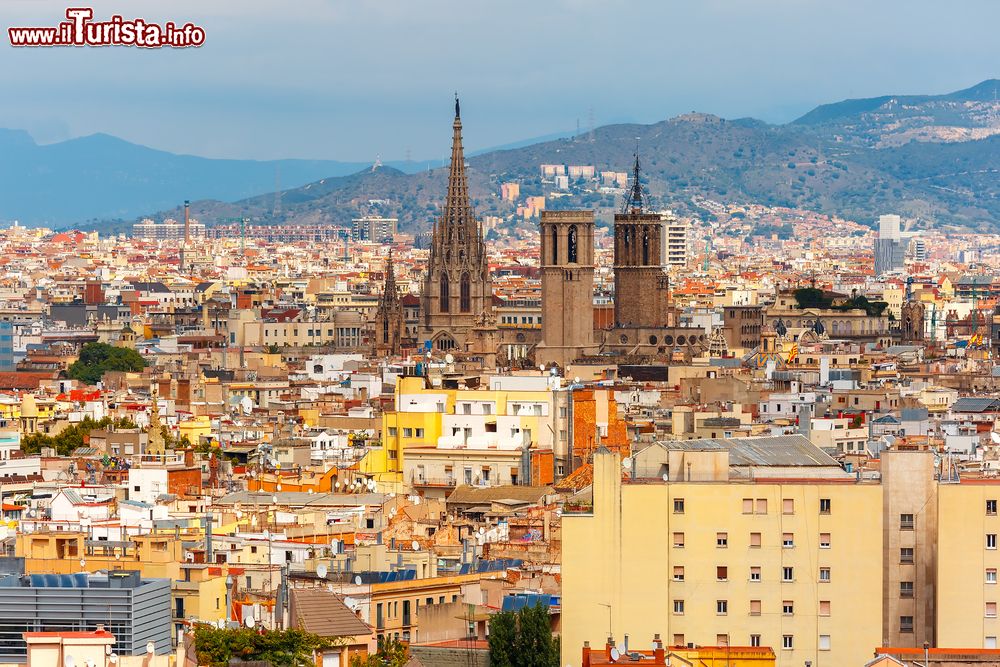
464, 295
555, 245
385, 330
571, 244
645, 247
445, 295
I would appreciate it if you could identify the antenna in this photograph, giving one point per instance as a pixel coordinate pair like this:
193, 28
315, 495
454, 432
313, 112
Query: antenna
277, 192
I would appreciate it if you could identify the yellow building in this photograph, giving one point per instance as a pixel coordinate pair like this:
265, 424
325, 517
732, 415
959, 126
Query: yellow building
967, 589
487, 428
790, 564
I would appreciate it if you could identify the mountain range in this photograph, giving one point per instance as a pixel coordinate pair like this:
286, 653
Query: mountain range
934, 158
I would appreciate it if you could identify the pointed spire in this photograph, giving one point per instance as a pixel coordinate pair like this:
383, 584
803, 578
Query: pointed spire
635, 198
458, 214
390, 294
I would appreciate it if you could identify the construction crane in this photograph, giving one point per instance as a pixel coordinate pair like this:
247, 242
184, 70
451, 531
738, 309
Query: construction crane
243, 231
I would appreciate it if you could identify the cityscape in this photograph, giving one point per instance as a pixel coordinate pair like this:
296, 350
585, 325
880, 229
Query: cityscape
696, 392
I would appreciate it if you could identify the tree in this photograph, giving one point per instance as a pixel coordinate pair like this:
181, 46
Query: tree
72, 436
98, 358
523, 639
390, 653
215, 647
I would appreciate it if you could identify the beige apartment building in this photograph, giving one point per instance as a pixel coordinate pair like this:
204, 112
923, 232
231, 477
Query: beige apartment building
822, 567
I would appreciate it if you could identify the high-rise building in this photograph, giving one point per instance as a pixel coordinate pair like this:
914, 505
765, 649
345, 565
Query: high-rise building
890, 251
168, 230
567, 261
458, 291
373, 228
675, 249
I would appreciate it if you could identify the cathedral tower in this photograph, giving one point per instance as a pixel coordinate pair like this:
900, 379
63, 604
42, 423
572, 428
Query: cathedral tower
389, 327
457, 289
642, 289
567, 261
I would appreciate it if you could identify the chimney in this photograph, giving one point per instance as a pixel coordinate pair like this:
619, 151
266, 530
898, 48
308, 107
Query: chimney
585, 662
187, 222
188, 458
658, 653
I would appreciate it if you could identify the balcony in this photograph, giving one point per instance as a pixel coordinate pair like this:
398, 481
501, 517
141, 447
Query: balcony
422, 481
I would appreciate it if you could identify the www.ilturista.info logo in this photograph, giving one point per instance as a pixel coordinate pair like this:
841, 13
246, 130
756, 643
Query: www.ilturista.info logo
81, 30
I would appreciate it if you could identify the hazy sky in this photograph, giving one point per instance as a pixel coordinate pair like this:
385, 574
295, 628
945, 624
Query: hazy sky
349, 79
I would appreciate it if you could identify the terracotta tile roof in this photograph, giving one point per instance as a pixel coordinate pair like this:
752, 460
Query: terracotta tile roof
323, 613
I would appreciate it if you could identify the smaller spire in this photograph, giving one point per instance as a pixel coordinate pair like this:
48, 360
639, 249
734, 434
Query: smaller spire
634, 200
458, 114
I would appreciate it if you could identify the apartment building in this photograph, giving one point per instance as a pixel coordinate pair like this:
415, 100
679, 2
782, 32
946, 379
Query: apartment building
771, 562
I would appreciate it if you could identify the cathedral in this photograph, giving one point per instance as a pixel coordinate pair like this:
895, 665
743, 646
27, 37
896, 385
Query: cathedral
457, 298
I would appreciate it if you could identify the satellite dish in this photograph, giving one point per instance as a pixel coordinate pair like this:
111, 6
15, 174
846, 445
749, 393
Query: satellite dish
541, 367
83, 562
357, 580
69, 661
277, 487
266, 534
250, 621
482, 531
274, 499
666, 477
995, 437
310, 491
626, 463
150, 647
448, 358
239, 514
113, 658
321, 571
415, 545
615, 654
221, 623
576, 380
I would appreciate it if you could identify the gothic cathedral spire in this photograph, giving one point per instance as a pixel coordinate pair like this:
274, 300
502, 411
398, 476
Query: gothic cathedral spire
457, 288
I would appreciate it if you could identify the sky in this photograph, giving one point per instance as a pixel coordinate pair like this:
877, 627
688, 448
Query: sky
355, 79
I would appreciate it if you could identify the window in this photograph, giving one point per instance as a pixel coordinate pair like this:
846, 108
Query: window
991, 507
787, 642
407, 432
722, 640
722, 573
788, 540
678, 640
678, 506
990, 642
722, 607
755, 573
679, 607
906, 589
679, 540
788, 506
787, 608
755, 540
906, 555
824, 540
991, 576
754, 640
762, 506
678, 573
755, 607
722, 540
824, 505
906, 522
392, 431
991, 610
788, 574
824, 642
824, 607
748, 505
991, 540
906, 624
824, 574
419, 432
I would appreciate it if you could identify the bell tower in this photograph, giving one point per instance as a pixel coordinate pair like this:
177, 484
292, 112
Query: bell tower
567, 263
388, 326
642, 289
